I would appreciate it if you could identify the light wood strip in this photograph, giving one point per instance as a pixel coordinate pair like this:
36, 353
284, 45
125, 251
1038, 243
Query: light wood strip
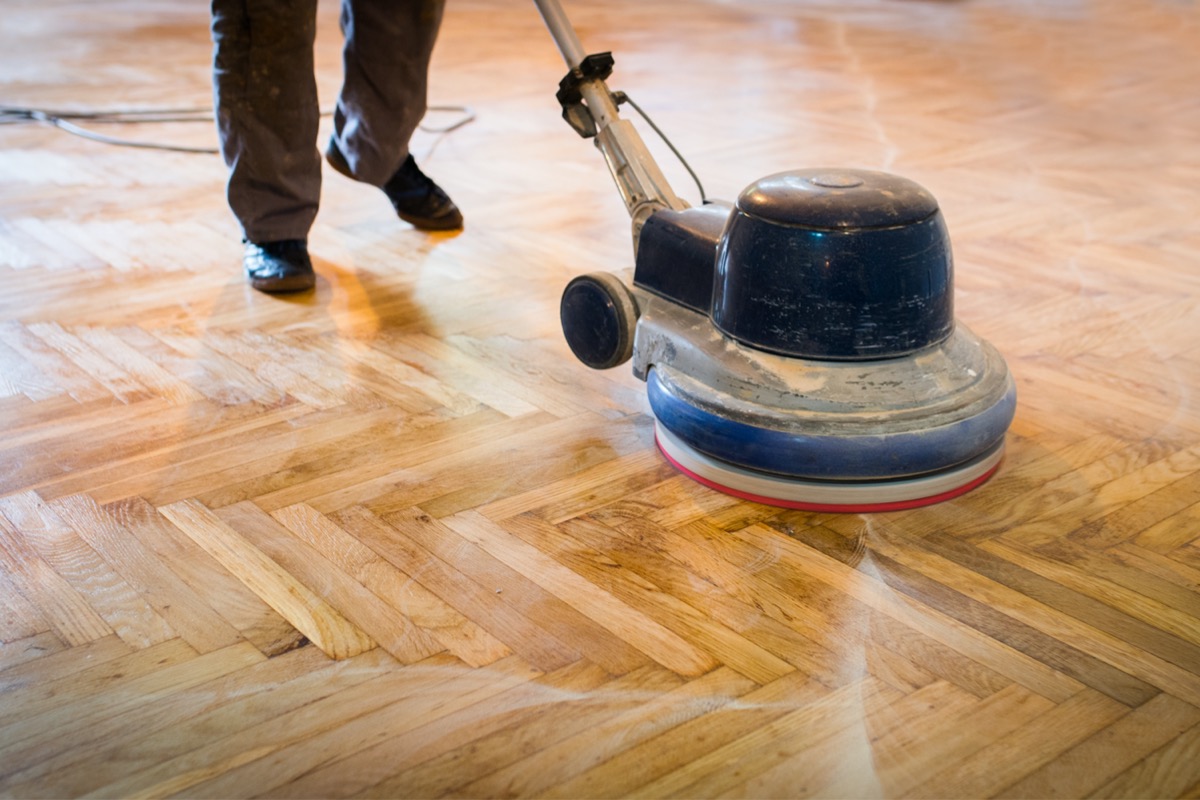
652, 638
21, 378
397, 380
205, 759
907, 756
295, 743
350, 481
185, 721
1168, 771
45, 658
20, 618
586, 491
122, 385
520, 633
781, 738
1025, 749
736, 633
599, 742
1029, 672
559, 718
1110, 751
490, 386
70, 614
180, 606
1008, 588
384, 624
450, 743
323, 625
414, 444
552, 614
97, 719
708, 552
1172, 532
60, 692
461, 480
33, 453
677, 746
17, 651
302, 469
1183, 627
66, 376
262, 359
219, 443
140, 368
206, 426
231, 599
458, 634
1060, 655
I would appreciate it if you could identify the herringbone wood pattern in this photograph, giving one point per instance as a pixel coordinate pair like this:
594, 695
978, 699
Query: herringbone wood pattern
390, 539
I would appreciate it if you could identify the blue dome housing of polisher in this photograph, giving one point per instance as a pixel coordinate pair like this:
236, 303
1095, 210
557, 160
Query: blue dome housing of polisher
815, 348
846, 265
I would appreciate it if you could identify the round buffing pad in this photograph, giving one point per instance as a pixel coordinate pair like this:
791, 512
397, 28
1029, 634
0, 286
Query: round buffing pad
861, 496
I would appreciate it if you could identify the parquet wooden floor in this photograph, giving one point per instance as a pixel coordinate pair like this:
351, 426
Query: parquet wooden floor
390, 539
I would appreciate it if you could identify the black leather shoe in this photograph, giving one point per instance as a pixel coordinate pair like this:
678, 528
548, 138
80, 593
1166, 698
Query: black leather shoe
417, 199
279, 267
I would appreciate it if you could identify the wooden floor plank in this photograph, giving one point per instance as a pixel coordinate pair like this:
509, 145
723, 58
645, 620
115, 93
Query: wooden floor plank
613, 613
371, 720
1110, 751
474, 601
459, 635
594, 745
308, 612
451, 771
190, 720
70, 613
384, 624
1012, 663
200, 482
1167, 771
454, 737
182, 609
456, 540
720, 770
231, 599
49, 697
92, 720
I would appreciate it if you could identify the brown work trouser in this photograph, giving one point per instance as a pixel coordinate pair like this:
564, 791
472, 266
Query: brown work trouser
266, 101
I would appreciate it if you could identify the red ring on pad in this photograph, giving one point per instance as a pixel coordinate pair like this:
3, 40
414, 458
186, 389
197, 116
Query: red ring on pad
837, 508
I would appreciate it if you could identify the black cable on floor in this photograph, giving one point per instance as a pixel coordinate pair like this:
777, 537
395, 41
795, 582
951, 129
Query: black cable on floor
67, 121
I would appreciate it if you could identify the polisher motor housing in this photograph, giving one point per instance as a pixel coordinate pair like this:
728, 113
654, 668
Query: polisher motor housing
800, 347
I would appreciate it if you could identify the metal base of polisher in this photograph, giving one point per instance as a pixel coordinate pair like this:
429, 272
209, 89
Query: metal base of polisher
827, 496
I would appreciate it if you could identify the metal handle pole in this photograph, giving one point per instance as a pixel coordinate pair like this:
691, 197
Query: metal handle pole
562, 31
641, 183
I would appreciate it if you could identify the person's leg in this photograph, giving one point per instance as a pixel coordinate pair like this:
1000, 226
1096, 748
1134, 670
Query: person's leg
265, 95
383, 98
386, 68
267, 114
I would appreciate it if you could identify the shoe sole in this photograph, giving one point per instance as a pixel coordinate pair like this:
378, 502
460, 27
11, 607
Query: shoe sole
288, 285
451, 222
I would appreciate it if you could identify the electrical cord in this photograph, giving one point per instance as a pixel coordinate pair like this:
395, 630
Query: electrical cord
63, 121
66, 122
622, 97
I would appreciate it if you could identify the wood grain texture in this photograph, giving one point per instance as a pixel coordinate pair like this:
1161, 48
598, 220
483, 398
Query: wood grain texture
215, 503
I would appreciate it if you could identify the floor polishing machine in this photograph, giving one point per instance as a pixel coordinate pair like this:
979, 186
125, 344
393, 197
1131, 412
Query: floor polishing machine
799, 347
